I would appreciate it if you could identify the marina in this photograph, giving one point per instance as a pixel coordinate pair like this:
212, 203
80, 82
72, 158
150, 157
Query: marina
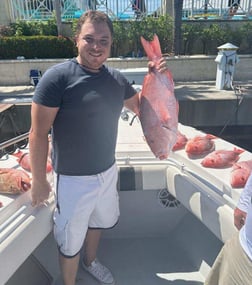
175, 214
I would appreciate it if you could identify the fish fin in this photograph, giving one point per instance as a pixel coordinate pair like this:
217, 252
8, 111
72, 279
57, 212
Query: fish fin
18, 154
152, 48
169, 75
238, 150
156, 46
235, 166
211, 137
177, 106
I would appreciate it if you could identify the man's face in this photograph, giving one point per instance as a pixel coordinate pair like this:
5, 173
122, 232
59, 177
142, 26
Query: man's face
93, 43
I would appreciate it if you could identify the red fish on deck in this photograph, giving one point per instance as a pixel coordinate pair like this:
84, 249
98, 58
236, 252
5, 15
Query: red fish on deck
158, 105
240, 173
181, 141
222, 158
200, 146
24, 161
14, 181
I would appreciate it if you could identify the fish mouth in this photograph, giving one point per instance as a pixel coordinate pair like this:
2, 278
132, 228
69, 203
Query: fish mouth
25, 186
163, 156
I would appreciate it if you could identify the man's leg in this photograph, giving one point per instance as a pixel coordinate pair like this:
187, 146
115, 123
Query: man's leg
91, 245
69, 267
90, 263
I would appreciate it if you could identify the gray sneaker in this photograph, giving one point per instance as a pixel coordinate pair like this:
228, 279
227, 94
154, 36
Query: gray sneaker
99, 272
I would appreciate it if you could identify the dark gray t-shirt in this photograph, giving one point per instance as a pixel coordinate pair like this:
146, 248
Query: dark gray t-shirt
84, 132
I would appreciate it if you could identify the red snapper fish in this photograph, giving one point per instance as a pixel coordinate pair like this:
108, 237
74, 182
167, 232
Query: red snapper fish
14, 181
158, 105
240, 173
200, 146
222, 158
181, 141
24, 161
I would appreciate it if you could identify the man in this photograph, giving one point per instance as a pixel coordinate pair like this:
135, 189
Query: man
80, 101
233, 265
139, 7
233, 6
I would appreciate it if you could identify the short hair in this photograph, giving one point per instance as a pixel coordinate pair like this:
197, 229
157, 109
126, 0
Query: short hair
94, 16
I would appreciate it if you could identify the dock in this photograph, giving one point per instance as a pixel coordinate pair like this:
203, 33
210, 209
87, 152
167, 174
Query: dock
201, 105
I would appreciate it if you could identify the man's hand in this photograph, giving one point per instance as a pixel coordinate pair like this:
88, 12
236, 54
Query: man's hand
40, 192
239, 218
160, 65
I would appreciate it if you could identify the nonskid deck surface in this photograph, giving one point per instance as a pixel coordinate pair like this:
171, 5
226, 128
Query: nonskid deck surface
182, 258
150, 261
150, 245
145, 261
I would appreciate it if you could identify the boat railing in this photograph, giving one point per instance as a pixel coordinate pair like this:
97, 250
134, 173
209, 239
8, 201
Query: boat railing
10, 146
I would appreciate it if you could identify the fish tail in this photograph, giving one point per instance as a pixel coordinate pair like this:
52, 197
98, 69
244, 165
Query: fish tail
156, 46
18, 154
152, 48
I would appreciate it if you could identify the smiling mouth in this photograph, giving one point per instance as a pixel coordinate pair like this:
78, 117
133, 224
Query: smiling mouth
95, 54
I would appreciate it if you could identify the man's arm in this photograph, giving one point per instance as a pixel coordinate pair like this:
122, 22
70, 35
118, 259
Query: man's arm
42, 119
240, 211
133, 103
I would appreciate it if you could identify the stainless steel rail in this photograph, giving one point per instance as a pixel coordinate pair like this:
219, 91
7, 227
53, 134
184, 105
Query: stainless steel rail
14, 99
14, 140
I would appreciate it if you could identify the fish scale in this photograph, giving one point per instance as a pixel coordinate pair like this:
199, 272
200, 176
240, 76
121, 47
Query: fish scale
240, 173
222, 158
158, 105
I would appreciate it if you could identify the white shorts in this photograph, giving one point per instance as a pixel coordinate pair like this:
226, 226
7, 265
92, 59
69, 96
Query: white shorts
84, 202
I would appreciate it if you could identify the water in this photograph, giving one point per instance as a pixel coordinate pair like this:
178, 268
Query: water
239, 135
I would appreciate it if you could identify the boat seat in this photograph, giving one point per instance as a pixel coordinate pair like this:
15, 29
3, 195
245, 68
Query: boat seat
141, 177
201, 200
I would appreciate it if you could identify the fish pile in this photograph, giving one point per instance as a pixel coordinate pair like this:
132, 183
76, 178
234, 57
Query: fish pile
204, 147
158, 105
